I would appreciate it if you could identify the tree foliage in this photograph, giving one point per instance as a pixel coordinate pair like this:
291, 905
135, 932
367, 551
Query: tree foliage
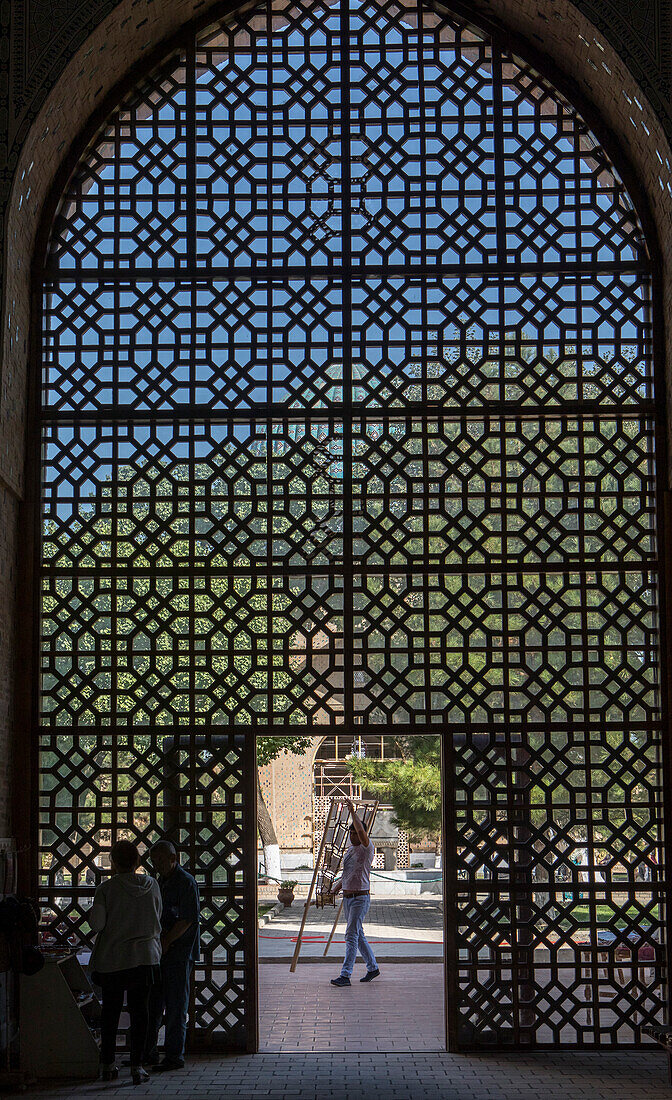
410, 784
270, 748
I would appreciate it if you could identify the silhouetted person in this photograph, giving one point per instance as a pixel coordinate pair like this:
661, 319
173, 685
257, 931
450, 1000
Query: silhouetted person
126, 914
181, 945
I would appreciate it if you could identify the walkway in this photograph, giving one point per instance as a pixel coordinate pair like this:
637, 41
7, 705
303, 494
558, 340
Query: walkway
401, 1010
397, 927
544, 1076
321, 1043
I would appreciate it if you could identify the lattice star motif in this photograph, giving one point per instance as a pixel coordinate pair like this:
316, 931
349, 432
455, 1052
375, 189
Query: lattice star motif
348, 414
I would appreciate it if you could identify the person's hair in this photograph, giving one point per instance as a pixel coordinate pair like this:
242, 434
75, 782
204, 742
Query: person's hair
166, 846
125, 855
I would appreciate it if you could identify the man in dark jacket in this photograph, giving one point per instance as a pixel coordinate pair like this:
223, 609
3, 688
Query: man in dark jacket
181, 947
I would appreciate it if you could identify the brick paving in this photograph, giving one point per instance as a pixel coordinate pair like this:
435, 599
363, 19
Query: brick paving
381, 1041
401, 1010
541, 1076
407, 931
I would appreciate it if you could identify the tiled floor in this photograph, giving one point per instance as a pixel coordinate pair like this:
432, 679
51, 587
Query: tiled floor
543, 1076
407, 937
401, 1010
378, 1041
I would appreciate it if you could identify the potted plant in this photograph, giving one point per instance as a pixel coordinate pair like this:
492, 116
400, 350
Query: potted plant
286, 891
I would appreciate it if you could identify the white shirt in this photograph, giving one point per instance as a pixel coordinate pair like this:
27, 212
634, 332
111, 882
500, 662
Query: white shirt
126, 914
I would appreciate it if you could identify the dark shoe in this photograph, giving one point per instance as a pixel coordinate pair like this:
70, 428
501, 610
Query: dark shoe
370, 975
109, 1073
166, 1066
139, 1075
341, 981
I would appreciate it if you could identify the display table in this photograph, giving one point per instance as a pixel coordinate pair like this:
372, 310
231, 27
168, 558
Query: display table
59, 1015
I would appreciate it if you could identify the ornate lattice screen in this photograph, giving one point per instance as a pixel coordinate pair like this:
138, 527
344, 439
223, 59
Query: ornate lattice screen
348, 419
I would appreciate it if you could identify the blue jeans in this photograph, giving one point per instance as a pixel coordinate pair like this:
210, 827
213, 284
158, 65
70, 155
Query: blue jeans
355, 910
171, 996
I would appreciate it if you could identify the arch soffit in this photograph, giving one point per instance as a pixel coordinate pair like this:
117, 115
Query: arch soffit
583, 66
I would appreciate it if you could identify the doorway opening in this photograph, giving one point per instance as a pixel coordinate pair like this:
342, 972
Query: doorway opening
302, 1011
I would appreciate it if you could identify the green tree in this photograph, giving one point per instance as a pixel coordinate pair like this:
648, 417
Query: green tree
411, 784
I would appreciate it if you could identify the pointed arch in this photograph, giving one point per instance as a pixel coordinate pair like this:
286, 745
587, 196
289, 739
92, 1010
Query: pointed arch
349, 412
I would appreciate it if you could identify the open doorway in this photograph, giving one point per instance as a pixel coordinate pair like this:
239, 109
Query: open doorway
403, 1008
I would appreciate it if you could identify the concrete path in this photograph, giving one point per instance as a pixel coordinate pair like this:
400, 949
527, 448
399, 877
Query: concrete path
397, 928
542, 1076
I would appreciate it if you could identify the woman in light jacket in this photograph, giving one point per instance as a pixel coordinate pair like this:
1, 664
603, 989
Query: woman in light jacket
126, 914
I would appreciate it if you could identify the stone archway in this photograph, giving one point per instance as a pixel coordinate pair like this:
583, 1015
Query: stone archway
496, 751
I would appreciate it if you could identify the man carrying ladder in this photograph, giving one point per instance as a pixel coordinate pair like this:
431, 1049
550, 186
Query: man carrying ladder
355, 883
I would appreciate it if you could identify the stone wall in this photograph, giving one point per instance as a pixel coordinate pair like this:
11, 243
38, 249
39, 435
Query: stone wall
287, 785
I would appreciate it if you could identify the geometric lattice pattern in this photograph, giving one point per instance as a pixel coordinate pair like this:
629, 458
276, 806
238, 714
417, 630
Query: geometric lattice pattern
348, 421
193, 788
403, 852
558, 899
